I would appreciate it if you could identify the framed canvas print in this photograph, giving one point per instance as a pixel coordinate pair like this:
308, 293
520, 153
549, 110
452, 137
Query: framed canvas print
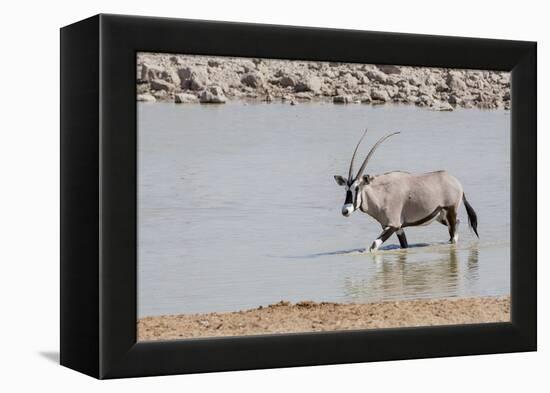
239, 196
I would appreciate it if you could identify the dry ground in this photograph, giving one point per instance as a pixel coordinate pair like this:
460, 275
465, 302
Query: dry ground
307, 316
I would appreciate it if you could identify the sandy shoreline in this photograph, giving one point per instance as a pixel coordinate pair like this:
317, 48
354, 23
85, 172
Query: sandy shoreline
307, 316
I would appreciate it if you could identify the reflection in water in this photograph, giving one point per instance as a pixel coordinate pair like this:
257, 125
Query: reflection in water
473, 258
441, 269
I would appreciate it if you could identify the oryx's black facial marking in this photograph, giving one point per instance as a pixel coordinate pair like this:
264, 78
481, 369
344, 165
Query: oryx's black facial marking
349, 198
353, 198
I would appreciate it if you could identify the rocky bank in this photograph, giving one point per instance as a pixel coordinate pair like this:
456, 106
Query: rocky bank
201, 79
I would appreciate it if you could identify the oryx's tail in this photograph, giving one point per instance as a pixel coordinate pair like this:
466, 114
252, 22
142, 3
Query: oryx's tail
472, 216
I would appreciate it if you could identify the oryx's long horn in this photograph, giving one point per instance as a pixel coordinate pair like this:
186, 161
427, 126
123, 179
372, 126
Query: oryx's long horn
371, 152
350, 175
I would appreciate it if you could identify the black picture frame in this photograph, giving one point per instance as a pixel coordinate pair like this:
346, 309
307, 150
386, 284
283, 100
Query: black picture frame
98, 196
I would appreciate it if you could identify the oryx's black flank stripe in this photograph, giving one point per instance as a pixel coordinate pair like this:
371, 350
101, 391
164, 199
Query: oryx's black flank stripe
423, 220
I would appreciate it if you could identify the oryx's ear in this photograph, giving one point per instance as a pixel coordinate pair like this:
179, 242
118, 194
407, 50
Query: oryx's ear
367, 179
342, 181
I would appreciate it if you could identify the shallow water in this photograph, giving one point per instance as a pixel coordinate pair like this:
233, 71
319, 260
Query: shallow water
237, 205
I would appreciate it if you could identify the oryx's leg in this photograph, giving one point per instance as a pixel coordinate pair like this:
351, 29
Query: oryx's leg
402, 238
386, 233
442, 217
452, 224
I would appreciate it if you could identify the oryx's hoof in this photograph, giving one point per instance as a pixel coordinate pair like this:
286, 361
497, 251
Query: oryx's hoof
375, 244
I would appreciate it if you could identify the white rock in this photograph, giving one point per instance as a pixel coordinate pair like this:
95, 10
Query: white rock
392, 91
442, 106
365, 80
193, 78
146, 97
415, 80
310, 83
161, 95
149, 72
252, 80
377, 75
286, 81
455, 82
171, 76
380, 95
341, 99
424, 100
350, 81
159, 84
212, 95
185, 98
304, 95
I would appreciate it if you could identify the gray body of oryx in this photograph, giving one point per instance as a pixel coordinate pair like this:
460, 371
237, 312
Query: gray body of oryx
400, 199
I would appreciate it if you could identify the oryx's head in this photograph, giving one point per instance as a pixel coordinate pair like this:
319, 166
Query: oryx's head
354, 185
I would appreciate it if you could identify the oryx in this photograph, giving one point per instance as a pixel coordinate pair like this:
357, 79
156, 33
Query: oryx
400, 199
